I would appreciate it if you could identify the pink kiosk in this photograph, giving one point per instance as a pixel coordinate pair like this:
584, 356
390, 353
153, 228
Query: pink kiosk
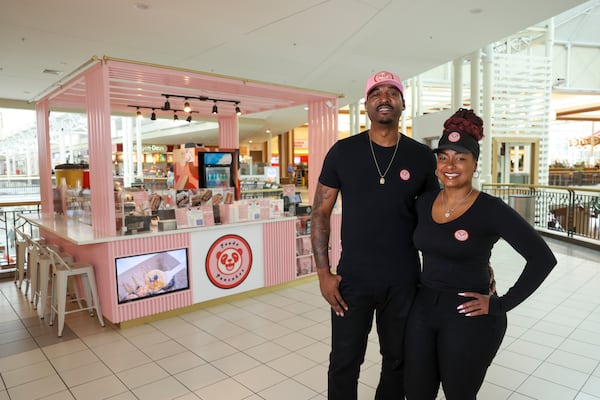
194, 265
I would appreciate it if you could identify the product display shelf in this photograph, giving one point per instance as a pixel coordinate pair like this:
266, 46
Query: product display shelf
305, 263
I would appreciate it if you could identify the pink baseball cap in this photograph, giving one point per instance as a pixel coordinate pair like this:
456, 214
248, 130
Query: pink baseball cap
384, 78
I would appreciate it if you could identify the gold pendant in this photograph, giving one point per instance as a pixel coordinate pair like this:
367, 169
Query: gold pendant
381, 180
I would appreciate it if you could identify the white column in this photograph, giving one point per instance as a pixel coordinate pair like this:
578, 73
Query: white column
139, 149
127, 152
457, 84
354, 118
485, 159
476, 82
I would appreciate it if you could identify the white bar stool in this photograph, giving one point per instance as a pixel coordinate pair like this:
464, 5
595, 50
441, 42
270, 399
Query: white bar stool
62, 271
45, 263
32, 265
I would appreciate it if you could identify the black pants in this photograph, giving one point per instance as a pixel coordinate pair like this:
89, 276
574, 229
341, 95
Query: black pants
444, 346
349, 339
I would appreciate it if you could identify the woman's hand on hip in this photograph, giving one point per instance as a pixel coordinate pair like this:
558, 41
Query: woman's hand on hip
480, 305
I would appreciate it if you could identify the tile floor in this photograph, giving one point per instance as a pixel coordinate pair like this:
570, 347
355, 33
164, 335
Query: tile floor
275, 345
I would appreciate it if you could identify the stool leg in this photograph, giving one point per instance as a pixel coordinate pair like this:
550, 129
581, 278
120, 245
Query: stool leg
32, 271
20, 270
44, 271
85, 283
61, 298
73, 290
53, 301
94, 291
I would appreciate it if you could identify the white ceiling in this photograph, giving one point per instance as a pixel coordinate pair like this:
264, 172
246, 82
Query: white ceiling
325, 45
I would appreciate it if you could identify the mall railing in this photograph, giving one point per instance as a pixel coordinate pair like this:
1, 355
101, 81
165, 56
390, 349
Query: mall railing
573, 212
19, 185
10, 218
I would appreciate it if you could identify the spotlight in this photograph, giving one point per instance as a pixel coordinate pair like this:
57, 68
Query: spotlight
175, 117
153, 115
186, 107
167, 105
139, 114
189, 118
238, 112
215, 110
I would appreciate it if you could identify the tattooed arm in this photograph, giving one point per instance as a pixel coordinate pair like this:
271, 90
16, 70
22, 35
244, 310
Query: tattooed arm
323, 203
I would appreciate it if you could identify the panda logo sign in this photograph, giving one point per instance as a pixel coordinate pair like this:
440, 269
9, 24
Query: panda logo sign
228, 261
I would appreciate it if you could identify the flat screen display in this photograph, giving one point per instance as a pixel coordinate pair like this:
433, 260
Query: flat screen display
153, 274
217, 158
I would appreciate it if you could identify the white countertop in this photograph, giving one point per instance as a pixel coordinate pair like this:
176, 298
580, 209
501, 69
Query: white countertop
81, 234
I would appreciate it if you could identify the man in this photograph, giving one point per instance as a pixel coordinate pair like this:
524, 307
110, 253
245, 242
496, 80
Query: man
379, 173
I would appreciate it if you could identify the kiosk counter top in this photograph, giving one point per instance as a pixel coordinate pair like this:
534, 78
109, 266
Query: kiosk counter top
79, 233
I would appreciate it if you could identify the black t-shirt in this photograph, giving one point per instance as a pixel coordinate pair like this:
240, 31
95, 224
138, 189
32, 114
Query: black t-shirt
456, 253
378, 220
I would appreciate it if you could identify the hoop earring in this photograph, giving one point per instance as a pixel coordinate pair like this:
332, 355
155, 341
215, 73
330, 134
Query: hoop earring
476, 174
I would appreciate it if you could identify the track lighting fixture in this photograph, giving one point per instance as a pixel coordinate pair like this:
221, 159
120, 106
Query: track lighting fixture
187, 108
153, 116
215, 109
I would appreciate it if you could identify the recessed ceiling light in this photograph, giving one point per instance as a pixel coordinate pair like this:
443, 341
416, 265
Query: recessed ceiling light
52, 72
141, 6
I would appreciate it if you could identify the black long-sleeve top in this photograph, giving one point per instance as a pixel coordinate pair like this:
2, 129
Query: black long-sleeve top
456, 254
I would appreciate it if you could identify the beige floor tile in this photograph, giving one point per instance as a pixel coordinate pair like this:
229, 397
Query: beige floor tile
235, 363
102, 388
180, 362
142, 375
226, 389
87, 373
164, 389
199, 377
289, 390
37, 389
29, 373
260, 378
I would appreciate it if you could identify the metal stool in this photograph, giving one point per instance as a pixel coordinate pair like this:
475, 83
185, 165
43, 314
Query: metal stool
44, 265
32, 264
62, 271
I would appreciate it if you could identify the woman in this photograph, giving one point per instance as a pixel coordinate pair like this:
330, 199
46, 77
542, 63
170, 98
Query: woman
456, 326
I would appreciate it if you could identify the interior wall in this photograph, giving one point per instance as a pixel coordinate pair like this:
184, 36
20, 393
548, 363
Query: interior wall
427, 128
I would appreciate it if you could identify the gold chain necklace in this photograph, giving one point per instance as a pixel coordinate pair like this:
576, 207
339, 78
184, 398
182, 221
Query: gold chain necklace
449, 211
382, 176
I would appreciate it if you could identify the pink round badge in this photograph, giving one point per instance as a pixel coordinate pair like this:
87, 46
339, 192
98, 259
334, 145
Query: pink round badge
404, 175
454, 137
461, 235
